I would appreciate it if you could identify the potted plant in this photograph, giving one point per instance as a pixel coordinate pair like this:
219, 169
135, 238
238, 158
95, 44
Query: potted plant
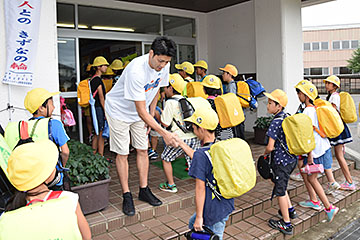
261, 126
89, 176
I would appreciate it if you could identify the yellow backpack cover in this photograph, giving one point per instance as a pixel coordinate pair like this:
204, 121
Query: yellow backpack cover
229, 110
299, 134
83, 93
243, 91
195, 89
53, 219
234, 175
347, 108
329, 119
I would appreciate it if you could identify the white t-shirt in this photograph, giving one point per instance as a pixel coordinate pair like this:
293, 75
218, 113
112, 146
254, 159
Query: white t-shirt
322, 144
335, 99
138, 82
172, 111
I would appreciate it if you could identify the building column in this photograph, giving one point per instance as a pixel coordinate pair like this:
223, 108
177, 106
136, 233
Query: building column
279, 56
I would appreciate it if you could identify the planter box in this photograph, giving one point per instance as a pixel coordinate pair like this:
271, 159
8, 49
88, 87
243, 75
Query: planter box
260, 136
93, 197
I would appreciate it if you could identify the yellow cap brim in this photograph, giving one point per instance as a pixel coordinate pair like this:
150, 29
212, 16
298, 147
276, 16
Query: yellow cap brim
178, 66
268, 95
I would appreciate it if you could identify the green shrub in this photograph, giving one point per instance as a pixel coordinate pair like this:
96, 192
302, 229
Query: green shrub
263, 122
85, 167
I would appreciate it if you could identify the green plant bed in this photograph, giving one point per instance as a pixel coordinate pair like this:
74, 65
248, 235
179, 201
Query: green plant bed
85, 166
261, 126
178, 165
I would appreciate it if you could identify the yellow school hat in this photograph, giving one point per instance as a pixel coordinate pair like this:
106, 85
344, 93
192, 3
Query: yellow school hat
212, 81
177, 82
36, 97
109, 72
308, 89
186, 66
230, 69
117, 64
278, 96
333, 79
202, 64
204, 117
98, 61
88, 67
29, 165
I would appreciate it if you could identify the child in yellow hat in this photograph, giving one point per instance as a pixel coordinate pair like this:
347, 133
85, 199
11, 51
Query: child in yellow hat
29, 214
307, 93
332, 84
210, 212
283, 163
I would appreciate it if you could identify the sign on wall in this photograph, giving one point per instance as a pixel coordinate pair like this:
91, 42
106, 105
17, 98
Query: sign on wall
22, 19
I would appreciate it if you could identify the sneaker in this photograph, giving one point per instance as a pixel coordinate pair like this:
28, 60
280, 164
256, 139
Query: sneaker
281, 226
155, 156
168, 188
331, 212
292, 214
146, 195
332, 187
128, 204
296, 177
310, 204
348, 186
90, 138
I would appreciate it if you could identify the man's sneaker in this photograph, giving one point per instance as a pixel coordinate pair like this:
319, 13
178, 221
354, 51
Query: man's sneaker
281, 226
168, 188
152, 154
348, 186
292, 214
146, 195
332, 187
296, 176
310, 204
128, 204
331, 212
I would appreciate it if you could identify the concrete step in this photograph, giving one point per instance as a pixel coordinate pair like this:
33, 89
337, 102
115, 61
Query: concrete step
169, 221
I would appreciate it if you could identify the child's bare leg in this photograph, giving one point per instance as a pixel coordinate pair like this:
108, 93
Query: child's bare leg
319, 190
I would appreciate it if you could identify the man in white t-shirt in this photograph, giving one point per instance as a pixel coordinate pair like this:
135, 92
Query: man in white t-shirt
130, 107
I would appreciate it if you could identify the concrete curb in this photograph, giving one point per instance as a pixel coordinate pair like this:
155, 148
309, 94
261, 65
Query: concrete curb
353, 155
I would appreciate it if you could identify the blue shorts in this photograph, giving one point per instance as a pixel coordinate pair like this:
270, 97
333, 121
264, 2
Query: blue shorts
325, 159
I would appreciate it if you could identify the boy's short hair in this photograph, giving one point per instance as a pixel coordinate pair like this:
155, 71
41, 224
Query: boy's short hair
164, 46
206, 118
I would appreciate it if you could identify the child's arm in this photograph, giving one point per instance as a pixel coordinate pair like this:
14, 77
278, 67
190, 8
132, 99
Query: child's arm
83, 224
199, 202
188, 150
65, 152
270, 147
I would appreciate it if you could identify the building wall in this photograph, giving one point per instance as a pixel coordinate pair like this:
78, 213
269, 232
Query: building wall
329, 58
46, 70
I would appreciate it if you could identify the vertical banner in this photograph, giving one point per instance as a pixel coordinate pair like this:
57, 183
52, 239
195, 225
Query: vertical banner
22, 20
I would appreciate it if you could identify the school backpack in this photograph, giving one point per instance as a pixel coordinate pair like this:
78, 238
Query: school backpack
229, 110
6, 188
248, 91
330, 122
233, 167
83, 93
187, 108
299, 133
347, 108
195, 89
52, 219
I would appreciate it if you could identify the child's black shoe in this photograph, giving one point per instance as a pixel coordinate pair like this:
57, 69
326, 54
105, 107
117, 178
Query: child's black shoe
281, 226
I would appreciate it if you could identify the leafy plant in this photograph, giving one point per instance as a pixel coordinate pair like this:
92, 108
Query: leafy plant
85, 166
354, 62
263, 122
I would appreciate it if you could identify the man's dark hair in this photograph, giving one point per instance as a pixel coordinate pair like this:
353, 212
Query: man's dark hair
164, 46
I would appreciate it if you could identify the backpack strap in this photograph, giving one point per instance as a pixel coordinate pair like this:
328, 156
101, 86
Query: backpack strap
34, 127
94, 94
23, 130
281, 143
319, 130
213, 187
50, 196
